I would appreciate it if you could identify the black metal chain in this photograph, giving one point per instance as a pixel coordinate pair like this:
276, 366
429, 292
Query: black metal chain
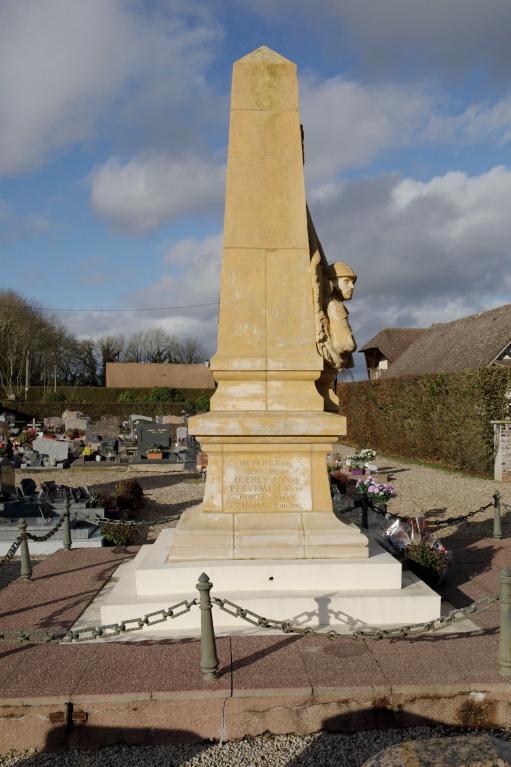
130, 522
104, 631
237, 611
12, 551
434, 522
49, 534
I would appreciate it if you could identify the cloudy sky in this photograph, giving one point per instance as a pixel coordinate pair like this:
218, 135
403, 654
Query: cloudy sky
113, 133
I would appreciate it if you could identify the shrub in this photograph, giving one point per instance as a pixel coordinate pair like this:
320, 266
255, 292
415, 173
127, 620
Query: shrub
56, 396
129, 494
165, 394
441, 417
128, 397
119, 535
202, 403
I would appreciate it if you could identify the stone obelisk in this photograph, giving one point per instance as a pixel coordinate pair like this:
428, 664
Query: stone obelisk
267, 493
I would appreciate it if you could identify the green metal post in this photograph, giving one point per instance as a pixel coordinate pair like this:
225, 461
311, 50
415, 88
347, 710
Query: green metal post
208, 655
497, 521
504, 659
26, 569
66, 533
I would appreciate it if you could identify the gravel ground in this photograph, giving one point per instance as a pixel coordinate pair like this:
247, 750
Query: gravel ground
322, 749
438, 494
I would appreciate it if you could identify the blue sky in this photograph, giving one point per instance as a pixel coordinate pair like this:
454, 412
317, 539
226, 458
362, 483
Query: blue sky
113, 133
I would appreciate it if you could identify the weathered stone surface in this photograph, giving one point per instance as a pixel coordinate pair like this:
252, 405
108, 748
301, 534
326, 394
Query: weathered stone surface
462, 751
268, 434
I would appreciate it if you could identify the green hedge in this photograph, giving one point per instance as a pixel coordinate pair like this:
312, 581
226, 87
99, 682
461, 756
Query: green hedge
40, 410
443, 418
83, 394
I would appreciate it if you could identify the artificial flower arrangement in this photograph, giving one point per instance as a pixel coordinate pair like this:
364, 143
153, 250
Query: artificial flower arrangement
377, 492
425, 556
361, 459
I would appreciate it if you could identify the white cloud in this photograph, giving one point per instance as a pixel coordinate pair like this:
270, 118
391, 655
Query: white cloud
478, 122
424, 251
348, 123
64, 64
191, 276
150, 189
450, 37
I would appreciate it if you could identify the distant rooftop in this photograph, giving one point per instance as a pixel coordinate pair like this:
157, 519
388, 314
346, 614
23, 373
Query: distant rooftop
469, 343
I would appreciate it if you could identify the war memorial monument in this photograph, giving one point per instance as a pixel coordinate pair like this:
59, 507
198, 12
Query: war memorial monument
266, 533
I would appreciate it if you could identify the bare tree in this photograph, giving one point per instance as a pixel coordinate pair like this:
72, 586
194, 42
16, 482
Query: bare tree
190, 351
26, 331
158, 346
135, 348
111, 349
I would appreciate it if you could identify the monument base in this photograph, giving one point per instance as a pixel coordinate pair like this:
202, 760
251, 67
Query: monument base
206, 536
341, 594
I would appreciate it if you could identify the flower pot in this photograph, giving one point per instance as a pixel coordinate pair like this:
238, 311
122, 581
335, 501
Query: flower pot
430, 576
154, 456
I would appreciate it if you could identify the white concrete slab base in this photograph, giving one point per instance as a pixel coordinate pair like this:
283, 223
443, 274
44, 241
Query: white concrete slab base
343, 594
55, 544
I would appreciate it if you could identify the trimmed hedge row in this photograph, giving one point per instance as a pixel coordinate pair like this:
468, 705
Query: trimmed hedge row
442, 418
86, 394
40, 410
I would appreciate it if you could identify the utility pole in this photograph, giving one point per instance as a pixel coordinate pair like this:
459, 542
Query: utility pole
27, 373
54, 372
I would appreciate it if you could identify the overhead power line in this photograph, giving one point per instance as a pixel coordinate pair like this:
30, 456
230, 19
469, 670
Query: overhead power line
132, 309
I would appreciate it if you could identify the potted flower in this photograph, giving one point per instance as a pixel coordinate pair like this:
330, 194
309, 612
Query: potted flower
354, 464
375, 492
428, 560
358, 462
154, 453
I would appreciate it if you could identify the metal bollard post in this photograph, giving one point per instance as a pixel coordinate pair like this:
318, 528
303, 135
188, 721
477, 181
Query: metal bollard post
497, 521
208, 655
504, 657
365, 507
66, 533
26, 569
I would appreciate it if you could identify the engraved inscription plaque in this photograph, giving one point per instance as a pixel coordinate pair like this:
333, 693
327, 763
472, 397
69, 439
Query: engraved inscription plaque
267, 482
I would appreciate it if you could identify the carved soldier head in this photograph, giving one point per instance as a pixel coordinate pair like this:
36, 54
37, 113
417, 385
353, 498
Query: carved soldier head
342, 279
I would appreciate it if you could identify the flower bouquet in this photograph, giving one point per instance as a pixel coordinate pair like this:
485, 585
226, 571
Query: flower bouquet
375, 492
412, 543
360, 460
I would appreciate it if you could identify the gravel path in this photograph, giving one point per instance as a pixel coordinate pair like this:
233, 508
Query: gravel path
321, 750
438, 494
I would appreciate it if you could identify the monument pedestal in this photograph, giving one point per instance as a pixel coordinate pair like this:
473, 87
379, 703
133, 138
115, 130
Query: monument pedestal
344, 594
267, 492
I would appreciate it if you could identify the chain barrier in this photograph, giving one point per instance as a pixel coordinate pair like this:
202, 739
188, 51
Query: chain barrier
130, 522
433, 522
12, 551
415, 629
103, 631
49, 534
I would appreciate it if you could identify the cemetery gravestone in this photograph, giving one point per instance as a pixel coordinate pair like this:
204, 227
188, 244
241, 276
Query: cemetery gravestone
153, 435
7, 478
56, 450
502, 439
81, 424
53, 422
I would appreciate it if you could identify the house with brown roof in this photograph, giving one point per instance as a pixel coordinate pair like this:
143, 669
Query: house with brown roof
385, 347
470, 343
